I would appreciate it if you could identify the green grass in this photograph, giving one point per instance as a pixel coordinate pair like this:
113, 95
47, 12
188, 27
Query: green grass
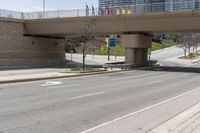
121, 52
118, 49
79, 69
158, 46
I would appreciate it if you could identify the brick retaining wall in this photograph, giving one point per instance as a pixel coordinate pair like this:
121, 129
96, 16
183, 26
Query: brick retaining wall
17, 50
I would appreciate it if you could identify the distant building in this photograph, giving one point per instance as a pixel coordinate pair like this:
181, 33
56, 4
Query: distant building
108, 7
113, 6
186, 5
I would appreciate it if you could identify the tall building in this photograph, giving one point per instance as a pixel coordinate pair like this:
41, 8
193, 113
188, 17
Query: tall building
141, 6
134, 5
197, 4
157, 5
181, 5
112, 6
115, 3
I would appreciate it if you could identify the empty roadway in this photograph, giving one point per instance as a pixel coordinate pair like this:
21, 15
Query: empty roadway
77, 104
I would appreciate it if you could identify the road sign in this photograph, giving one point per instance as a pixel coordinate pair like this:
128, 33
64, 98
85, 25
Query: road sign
113, 42
161, 36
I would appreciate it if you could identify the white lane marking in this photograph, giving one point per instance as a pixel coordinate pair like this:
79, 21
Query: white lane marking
130, 77
51, 83
139, 111
87, 95
154, 82
136, 76
183, 75
63, 86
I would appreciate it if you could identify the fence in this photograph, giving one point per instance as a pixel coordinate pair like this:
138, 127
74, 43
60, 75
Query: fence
107, 11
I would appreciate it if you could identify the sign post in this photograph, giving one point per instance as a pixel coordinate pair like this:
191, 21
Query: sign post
108, 47
110, 43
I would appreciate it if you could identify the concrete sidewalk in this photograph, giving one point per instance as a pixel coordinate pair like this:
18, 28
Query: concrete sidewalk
186, 122
31, 75
14, 76
95, 60
185, 62
149, 118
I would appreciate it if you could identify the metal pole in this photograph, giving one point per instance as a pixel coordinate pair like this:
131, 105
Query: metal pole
149, 54
44, 6
108, 53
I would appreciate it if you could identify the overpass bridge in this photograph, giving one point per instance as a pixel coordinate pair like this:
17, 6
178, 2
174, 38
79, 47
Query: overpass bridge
135, 30
39, 33
145, 23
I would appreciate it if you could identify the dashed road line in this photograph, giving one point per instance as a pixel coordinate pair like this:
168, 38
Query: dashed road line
62, 86
51, 83
154, 82
87, 95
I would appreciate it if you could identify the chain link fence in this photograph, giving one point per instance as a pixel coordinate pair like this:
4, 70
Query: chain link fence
137, 9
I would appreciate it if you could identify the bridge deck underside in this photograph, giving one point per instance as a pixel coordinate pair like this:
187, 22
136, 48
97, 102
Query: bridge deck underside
148, 23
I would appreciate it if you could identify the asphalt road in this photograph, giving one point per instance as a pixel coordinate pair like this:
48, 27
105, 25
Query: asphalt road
77, 104
168, 53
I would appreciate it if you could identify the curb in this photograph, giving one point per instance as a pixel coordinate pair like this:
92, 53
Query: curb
70, 76
57, 77
181, 122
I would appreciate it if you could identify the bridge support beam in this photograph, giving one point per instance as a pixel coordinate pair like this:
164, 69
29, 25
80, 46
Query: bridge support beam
136, 48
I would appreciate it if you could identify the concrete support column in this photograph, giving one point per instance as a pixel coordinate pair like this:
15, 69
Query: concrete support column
136, 48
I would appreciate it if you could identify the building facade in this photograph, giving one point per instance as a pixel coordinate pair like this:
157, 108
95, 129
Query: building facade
141, 6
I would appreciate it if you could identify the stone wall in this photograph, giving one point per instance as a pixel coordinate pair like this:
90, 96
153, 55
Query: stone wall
17, 50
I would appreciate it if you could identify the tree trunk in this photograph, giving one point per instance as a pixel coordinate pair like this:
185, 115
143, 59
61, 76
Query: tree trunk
83, 60
193, 50
185, 52
189, 49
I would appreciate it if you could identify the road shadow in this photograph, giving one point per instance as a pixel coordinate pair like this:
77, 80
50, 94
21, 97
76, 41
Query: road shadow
176, 69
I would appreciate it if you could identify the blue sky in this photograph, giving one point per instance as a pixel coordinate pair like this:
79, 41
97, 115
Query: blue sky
35, 5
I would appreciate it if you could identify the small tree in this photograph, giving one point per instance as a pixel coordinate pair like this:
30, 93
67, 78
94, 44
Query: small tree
196, 42
86, 39
71, 43
188, 41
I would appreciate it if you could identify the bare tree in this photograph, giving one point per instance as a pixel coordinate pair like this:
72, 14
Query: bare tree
196, 42
188, 41
86, 39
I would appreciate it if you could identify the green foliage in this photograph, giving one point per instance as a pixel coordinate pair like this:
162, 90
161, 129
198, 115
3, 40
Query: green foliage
71, 43
121, 52
81, 69
158, 46
190, 55
116, 50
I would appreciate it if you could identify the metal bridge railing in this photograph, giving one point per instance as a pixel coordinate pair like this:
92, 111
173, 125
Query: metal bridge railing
11, 14
107, 11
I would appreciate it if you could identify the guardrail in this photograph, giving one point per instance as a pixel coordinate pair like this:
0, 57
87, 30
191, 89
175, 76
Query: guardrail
111, 10
123, 65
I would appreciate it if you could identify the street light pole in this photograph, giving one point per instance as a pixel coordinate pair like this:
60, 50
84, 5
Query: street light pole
44, 6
